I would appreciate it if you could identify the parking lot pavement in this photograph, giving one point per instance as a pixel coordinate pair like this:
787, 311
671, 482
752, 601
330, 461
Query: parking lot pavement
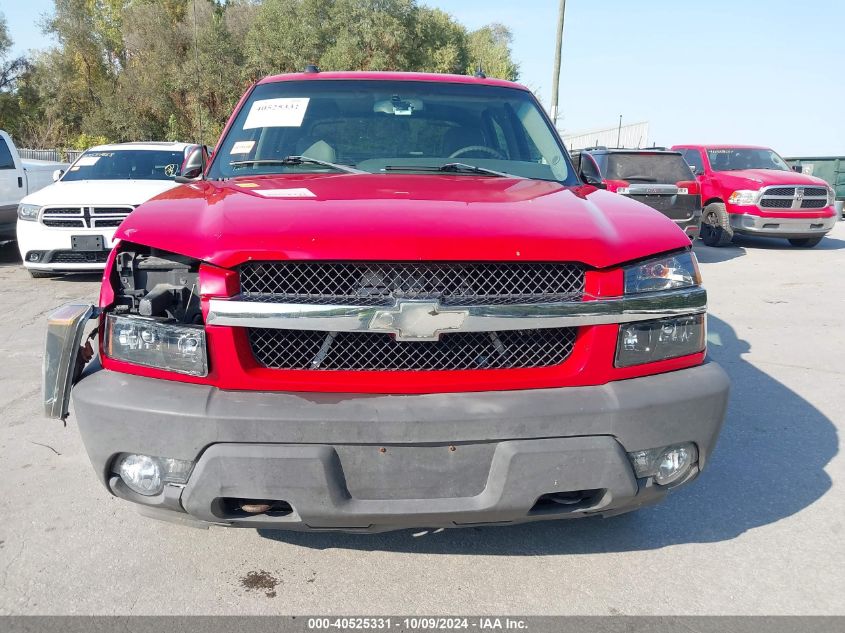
762, 532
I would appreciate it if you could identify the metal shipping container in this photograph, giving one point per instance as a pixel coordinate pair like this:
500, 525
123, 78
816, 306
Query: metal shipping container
829, 168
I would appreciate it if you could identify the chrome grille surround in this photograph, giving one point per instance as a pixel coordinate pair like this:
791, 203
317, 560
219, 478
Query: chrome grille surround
793, 197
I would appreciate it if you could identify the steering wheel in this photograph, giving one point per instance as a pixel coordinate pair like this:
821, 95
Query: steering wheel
477, 148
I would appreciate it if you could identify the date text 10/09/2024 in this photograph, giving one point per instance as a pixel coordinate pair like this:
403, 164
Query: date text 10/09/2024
418, 623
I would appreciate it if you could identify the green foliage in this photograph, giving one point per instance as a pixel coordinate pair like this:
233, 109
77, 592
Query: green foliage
174, 69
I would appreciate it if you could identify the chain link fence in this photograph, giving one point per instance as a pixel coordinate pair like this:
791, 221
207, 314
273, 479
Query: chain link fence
54, 155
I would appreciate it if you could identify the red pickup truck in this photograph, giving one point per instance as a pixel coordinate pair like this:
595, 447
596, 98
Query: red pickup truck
391, 302
752, 191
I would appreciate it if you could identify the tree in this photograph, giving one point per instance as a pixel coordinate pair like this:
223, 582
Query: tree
490, 48
147, 70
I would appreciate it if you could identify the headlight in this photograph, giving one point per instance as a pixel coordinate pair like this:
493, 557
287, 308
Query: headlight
744, 197
831, 196
28, 212
179, 348
665, 273
659, 339
666, 465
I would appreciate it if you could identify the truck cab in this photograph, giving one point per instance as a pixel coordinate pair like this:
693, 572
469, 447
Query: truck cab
750, 190
19, 178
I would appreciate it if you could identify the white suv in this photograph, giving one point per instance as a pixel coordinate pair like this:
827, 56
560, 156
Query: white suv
69, 226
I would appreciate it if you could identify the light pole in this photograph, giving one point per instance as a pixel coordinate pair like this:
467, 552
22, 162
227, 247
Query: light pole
556, 72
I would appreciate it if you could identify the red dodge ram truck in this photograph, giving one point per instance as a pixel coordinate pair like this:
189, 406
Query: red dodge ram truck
751, 190
390, 302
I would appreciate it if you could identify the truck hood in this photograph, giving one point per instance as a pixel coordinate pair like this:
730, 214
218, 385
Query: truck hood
99, 192
399, 217
756, 178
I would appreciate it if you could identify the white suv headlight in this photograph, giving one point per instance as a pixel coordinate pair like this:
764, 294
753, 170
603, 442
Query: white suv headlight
744, 197
28, 212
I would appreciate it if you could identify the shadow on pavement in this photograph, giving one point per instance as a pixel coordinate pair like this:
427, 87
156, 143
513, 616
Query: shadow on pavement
9, 255
768, 465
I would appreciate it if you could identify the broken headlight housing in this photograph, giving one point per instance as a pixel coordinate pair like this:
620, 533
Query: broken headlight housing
156, 320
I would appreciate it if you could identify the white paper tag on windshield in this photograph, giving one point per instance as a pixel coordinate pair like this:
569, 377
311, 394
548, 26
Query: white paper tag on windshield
87, 161
276, 113
286, 193
242, 147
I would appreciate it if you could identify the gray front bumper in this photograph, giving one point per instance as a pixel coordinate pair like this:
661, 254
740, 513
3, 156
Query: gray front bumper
781, 227
377, 462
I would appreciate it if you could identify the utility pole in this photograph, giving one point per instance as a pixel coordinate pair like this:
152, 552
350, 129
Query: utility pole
619, 132
556, 72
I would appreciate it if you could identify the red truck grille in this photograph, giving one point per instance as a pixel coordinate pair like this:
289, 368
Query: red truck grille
355, 351
384, 283
377, 283
794, 198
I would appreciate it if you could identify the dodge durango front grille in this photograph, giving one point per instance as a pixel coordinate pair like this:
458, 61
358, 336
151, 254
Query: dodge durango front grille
355, 351
381, 283
84, 217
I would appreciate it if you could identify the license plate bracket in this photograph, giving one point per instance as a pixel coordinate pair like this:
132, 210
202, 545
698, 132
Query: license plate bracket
87, 243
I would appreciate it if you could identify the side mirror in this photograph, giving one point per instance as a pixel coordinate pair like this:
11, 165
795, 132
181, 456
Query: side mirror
590, 179
58, 174
193, 167
798, 168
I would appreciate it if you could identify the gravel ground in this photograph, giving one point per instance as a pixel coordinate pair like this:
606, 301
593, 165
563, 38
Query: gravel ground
761, 532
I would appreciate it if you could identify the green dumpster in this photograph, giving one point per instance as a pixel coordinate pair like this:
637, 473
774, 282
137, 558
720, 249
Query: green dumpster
829, 168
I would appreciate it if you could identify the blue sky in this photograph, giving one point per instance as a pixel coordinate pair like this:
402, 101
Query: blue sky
767, 72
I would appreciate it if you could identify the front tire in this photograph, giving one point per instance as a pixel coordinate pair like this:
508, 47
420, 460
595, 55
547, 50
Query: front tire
41, 274
805, 242
716, 225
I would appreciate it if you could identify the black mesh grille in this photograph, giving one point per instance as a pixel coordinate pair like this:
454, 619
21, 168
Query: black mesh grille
357, 351
79, 257
377, 283
815, 191
813, 204
780, 191
776, 203
80, 223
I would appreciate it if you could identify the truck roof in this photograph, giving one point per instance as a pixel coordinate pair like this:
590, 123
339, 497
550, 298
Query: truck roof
721, 146
392, 76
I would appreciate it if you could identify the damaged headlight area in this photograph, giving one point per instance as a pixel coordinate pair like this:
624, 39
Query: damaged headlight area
156, 320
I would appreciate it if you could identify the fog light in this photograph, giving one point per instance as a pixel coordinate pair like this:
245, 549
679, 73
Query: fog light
666, 464
674, 464
142, 474
147, 475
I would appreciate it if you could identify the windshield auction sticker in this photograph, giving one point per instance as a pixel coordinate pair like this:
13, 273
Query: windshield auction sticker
284, 112
242, 147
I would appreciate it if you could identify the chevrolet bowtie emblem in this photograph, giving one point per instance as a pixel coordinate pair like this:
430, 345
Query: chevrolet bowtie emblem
417, 320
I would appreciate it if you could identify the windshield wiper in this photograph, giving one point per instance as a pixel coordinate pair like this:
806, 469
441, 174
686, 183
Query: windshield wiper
453, 168
296, 160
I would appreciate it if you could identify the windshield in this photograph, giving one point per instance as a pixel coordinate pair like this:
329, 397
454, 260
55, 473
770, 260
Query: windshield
733, 158
126, 164
643, 167
390, 127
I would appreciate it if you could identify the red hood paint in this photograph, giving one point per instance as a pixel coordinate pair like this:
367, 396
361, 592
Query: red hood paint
756, 178
400, 217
